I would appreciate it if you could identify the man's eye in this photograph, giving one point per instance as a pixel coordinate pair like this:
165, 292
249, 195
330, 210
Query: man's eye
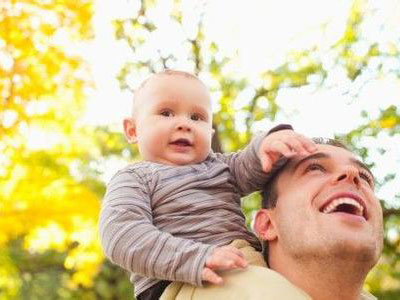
366, 177
315, 167
196, 117
166, 113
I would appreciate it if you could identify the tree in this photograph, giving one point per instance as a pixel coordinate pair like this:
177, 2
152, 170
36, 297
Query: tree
48, 212
51, 164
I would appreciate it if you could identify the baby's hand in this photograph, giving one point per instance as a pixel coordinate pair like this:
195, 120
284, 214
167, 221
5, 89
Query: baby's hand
222, 258
285, 143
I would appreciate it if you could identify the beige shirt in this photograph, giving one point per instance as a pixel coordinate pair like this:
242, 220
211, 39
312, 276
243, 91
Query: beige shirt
255, 283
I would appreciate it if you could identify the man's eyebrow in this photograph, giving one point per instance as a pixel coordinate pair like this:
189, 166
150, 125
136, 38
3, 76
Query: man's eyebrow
310, 157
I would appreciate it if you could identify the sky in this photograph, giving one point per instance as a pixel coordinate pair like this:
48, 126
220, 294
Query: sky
261, 33
268, 19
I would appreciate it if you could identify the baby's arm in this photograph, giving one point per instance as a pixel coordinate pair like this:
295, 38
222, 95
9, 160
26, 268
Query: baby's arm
283, 143
130, 239
252, 166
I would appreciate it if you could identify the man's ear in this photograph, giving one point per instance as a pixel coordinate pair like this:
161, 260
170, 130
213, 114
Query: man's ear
130, 130
264, 225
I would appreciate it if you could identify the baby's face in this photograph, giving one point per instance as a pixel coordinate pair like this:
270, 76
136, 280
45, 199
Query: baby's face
173, 120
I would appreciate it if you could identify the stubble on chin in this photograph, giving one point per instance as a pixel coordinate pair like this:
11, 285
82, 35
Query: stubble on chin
328, 252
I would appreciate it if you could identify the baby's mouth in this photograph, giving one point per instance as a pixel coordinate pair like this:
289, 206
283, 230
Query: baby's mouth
182, 143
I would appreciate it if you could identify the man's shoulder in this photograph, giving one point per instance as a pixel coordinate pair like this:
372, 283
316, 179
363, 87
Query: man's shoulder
367, 296
253, 283
257, 282
264, 283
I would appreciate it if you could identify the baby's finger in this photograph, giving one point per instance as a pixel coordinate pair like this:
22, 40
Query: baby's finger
279, 147
225, 260
239, 262
238, 257
209, 275
221, 263
308, 144
266, 162
296, 146
233, 250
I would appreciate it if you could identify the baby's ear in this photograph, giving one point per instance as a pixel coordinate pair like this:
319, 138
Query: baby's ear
130, 130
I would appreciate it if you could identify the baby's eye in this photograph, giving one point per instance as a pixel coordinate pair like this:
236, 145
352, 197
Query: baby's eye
166, 113
315, 167
196, 117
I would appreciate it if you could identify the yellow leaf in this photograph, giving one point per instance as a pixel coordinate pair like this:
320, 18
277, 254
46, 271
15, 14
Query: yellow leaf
388, 122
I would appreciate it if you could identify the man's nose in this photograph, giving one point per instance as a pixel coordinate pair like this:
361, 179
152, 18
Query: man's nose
349, 174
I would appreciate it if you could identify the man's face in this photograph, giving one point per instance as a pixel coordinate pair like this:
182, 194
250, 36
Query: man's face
327, 208
173, 122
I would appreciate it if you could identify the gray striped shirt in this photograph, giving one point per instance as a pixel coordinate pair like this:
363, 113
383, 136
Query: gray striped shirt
162, 222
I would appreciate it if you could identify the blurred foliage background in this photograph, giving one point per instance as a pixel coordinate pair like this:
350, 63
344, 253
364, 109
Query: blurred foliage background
50, 194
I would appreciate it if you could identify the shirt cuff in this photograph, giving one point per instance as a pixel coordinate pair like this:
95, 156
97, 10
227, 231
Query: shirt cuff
202, 264
280, 127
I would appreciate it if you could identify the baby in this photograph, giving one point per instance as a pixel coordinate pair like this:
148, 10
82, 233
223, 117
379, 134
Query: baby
173, 216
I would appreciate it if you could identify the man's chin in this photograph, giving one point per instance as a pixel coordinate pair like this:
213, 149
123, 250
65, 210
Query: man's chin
355, 238
359, 250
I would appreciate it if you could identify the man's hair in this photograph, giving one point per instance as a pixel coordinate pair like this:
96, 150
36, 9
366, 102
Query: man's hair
270, 193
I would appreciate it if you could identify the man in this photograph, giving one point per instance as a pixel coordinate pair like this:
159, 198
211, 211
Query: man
323, 226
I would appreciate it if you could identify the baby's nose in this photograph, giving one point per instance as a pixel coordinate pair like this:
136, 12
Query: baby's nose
183, 126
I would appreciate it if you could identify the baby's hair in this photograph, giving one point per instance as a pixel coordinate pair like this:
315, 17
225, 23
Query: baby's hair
167, 72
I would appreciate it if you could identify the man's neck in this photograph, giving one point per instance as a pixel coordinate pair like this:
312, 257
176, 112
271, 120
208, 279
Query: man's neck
324, 279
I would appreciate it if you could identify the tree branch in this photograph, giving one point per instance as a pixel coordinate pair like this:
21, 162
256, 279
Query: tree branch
216, 142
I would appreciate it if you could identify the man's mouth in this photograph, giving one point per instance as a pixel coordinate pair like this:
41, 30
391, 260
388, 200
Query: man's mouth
182, 142
346, 203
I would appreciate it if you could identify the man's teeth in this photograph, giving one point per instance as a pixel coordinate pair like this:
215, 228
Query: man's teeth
335, 203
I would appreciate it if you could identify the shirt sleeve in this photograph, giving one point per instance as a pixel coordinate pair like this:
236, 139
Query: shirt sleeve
130, 240
245, 165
